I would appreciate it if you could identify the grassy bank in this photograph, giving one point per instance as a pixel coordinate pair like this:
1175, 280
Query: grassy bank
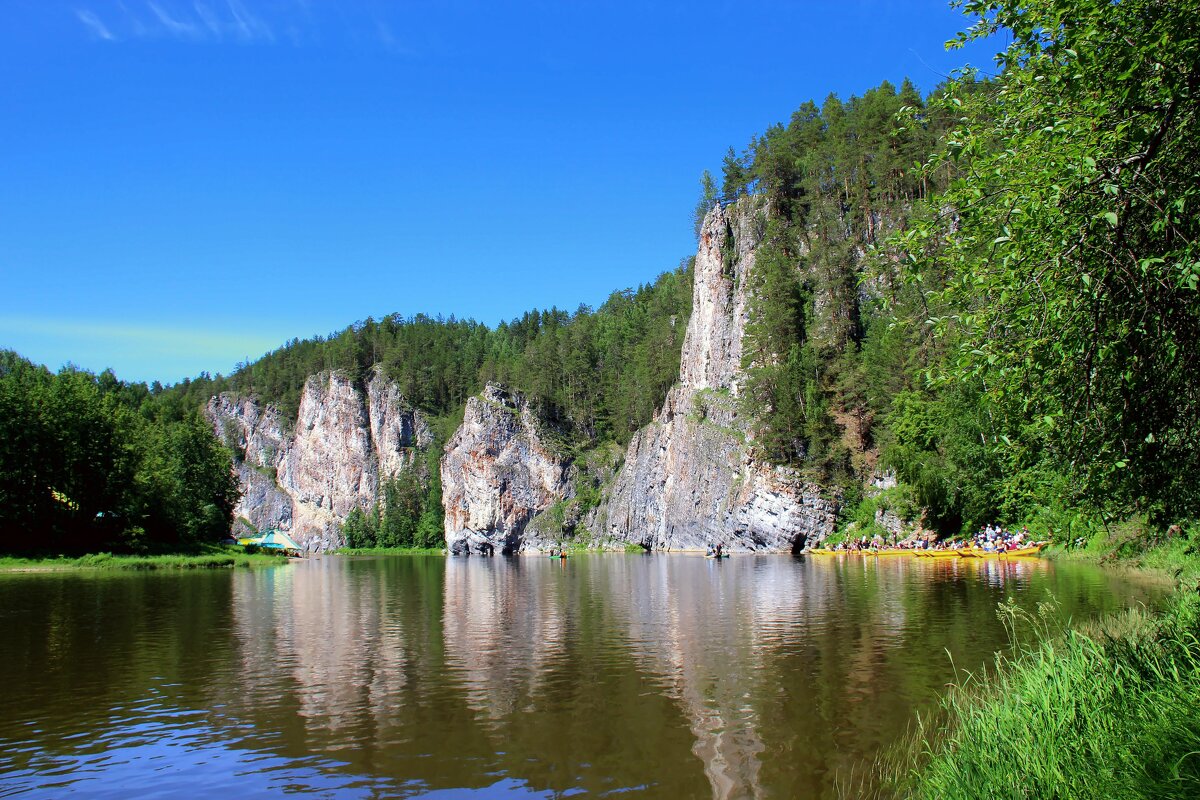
389, 551
208, 558
1108, 710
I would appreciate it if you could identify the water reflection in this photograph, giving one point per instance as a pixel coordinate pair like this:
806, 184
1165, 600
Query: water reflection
504, 622
657, 676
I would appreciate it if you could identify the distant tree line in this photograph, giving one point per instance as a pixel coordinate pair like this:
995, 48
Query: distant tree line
601, 372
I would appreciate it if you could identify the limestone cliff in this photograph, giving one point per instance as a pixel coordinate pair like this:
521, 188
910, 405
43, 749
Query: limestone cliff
308, 476
689, 479
497, 473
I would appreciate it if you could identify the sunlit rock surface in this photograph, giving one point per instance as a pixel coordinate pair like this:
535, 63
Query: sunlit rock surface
498, 471
306, 477
689, 479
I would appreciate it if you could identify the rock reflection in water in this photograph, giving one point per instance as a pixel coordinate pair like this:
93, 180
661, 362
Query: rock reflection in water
503, 621
653, 676
338, 638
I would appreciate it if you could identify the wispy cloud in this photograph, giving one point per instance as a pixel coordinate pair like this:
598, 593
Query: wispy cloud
94, 25
297, 22
248, 26
199, 21
175, 27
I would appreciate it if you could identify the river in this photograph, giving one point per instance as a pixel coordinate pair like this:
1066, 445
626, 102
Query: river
667, 676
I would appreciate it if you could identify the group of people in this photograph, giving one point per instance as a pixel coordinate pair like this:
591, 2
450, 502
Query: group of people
863, 543
990, 538
716, 550
995, 539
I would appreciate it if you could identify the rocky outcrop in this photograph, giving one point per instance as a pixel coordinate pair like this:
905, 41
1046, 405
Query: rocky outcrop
689, 479
306, 477
498, 471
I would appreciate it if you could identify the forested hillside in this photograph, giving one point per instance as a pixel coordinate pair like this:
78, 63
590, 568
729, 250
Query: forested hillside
838, 180
602, 371
995, 290
991, 290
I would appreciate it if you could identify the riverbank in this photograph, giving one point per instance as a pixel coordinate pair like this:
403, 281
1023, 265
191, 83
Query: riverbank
216, 557
1110, 709
389, 551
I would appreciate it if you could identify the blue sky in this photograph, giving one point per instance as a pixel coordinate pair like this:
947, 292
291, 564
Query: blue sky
188, 183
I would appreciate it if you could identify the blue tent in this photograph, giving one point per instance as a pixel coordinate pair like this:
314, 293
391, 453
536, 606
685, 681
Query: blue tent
275, 540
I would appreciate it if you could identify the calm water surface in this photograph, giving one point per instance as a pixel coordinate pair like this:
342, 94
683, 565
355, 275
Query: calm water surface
605, 675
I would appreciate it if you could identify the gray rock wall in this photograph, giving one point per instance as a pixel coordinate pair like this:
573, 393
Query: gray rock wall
689, 479
497, 473
306, 478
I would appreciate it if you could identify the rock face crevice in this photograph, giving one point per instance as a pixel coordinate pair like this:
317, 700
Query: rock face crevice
689, 478
498, 471
307, 477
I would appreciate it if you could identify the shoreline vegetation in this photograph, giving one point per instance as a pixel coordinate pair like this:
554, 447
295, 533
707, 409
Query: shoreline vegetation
389, 551
1100, 710
214, 557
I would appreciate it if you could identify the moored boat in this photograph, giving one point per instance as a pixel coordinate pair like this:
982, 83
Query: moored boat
1020, 552
941, 554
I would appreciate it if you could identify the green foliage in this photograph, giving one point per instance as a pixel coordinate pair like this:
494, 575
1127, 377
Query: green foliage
88, 462
1066, 280
935, 448
900, 500
409, 515
735, 176
359, 530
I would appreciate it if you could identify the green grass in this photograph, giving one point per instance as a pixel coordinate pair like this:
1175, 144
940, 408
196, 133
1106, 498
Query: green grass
1131, 545
1108, 710
209, 558
389, 551
1115, 714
